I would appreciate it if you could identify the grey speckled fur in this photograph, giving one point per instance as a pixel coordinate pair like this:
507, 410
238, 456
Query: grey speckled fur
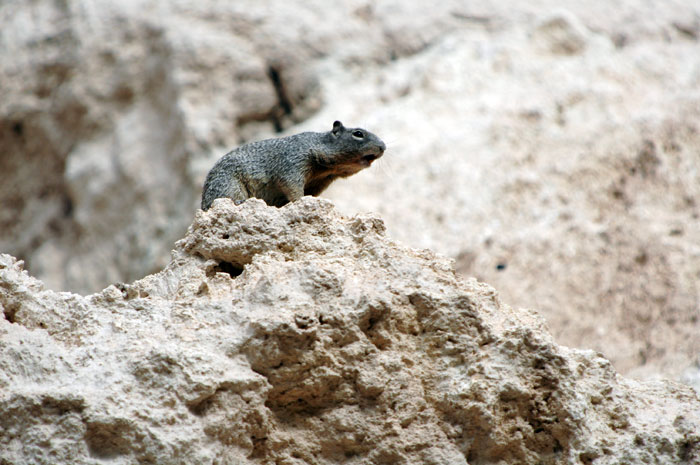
282, 170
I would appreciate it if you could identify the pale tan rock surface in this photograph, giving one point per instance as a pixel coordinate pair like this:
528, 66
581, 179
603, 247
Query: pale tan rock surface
549, 147
301, 336
113, 112
557, 162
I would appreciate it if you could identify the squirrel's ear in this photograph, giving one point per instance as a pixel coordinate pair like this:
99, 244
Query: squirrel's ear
337, 127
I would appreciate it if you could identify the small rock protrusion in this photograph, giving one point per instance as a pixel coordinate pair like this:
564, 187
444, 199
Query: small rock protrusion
560, 34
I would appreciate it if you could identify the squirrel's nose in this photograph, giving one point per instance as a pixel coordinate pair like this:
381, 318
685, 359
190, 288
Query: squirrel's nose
382, 146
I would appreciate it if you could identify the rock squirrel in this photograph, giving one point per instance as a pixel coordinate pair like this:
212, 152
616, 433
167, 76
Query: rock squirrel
282, 170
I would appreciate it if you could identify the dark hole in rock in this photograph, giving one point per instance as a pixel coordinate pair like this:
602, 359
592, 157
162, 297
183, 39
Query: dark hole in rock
18, 128
200, 408
501, 266
67, 206
230, 268
106, 441
9, 311
284, 103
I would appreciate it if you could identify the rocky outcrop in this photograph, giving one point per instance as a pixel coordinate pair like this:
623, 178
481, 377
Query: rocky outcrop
557, 162
113, 113
560, 138
298, 335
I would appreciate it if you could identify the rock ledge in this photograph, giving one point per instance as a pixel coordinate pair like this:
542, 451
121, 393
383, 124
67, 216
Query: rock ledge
298, 335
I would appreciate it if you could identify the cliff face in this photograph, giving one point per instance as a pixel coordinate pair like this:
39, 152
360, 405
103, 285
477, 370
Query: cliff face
112, 113
298, 335
559, 136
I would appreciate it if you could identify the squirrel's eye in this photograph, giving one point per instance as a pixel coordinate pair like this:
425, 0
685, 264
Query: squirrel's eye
358, 134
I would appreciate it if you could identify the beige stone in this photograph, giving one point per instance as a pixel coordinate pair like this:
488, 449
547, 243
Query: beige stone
299, 335
549, 147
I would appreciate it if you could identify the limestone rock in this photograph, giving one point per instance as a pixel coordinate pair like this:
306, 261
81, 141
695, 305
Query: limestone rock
298, 335
568, 181
112, 114
560, 138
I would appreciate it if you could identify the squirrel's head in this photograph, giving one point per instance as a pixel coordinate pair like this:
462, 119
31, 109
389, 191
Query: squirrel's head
356, 148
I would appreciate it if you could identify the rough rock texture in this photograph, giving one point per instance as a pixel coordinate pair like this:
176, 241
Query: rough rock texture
113, 112
549, 147
300, 336
556, 158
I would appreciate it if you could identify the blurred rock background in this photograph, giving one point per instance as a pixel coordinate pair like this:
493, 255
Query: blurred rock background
552, 149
